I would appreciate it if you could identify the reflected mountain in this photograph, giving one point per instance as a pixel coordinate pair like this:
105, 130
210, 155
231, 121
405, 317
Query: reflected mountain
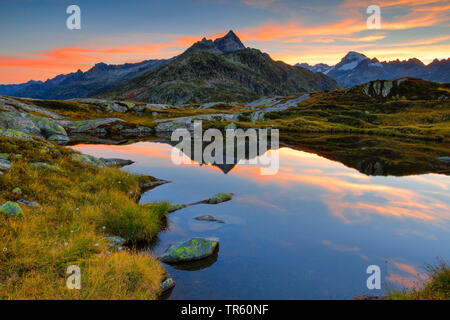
376, 156
371, 155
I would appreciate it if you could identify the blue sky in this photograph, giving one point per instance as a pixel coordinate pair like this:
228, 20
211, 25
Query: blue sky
37, 45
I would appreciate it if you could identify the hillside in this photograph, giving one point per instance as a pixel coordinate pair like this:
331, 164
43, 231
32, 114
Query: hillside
202, 76
403, 107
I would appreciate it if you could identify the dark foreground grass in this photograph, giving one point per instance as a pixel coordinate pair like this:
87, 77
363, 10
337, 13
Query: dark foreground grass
436, 287
80, 205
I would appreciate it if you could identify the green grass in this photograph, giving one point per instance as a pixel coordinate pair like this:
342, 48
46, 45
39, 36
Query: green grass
437, 287
80, 205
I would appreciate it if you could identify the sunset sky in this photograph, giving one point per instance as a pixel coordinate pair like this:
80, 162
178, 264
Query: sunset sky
36, 44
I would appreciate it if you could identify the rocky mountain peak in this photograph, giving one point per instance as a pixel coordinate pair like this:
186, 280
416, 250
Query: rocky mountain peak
353, 56
228, 43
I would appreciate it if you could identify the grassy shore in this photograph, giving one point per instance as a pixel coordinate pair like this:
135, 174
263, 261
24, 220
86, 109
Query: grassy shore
79, 206
437, 287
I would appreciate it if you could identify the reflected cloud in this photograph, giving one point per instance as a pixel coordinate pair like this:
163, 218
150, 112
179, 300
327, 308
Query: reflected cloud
343, 248
350, 195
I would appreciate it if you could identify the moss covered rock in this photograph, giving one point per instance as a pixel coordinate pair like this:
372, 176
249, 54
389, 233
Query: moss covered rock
11, 209
31, 124
167, 285
219, 198
16, 134
194, 249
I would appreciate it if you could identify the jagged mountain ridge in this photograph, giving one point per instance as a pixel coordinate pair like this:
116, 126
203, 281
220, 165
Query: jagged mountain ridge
356, 68
229, 43
202, 75
100, 78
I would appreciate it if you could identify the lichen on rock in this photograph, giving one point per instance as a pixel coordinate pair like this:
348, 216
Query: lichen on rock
193, 249
11, 209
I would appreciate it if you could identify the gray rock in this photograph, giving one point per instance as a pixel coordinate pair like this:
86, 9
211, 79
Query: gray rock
100, 162
28, 203
9, 104
170, 125
105, 126
90, 126
16, 134
59, 138
274, 104
193, 249
33, 125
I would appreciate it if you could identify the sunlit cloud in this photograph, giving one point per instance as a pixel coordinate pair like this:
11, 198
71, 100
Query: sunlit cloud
339, 183
405, 275
343, 248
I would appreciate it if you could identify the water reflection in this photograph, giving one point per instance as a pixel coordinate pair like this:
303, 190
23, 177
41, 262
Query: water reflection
317, 223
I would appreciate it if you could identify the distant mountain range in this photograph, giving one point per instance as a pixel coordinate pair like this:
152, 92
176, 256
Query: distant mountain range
219, 70
355, 68
100, 78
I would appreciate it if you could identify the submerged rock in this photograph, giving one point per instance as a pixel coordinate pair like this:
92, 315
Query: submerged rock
194, 249
216, 199
11, 209
208, 218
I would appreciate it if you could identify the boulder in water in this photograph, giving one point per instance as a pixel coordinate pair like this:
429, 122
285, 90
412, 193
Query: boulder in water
193, 249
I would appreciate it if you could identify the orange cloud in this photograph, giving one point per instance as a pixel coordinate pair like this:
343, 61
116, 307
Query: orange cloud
397, 202
65, 60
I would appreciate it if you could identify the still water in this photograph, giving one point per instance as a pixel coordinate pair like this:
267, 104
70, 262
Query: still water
308, 232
